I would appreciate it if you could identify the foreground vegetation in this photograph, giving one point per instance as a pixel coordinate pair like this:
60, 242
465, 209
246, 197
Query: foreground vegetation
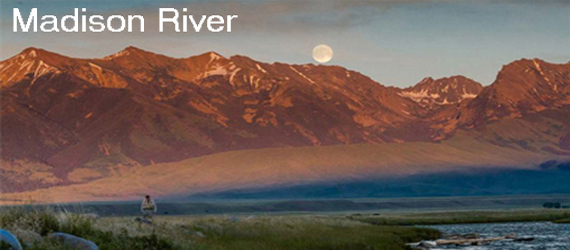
283, 232
215, 232
466, 217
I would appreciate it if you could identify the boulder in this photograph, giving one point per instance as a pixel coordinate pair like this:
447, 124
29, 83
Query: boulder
9, 239
73, 241
28, 238
422, 245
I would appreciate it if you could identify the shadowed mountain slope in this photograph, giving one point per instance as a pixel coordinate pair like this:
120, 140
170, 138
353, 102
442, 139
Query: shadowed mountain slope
67, 120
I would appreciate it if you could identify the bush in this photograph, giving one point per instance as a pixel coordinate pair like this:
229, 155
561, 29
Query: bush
77, 225
150, 242
555, 205
42, 221
5, 246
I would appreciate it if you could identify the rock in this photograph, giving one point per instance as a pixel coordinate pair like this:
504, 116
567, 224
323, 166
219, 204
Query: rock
10, 239
28, 238
462, 236
427, 244
511, 236
143, 220
73, 241
471, 236
524, 239
416, 246
466, 242
424, 244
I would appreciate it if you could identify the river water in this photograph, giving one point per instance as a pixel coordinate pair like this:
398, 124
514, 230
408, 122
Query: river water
547, 236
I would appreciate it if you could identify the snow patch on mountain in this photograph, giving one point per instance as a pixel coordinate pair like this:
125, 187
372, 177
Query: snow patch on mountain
431, 93
216, 70
260, 68
302, 75
117, 55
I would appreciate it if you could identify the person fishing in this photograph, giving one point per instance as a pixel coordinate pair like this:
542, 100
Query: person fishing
148, 207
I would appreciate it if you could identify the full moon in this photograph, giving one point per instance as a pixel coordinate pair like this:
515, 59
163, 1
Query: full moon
322, 53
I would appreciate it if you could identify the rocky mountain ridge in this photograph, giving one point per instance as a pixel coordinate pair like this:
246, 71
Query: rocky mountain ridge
68, 120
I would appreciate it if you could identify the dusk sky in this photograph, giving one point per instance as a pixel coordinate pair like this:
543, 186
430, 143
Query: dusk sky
394, 42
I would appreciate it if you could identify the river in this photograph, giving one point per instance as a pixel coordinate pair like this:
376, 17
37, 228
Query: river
547, 235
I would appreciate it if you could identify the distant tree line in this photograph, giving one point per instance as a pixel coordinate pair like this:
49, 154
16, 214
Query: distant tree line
554, 205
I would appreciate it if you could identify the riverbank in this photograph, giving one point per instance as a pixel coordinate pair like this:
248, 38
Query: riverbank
563, 221
465, 217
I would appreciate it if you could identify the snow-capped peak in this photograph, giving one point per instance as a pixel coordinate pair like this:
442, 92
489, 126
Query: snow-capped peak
445, 91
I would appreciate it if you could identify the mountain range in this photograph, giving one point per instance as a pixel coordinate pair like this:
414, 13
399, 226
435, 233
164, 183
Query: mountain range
142, 122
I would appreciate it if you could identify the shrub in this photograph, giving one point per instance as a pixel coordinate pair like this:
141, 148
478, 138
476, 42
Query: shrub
556, 205
151, 242
40, 220
77, 225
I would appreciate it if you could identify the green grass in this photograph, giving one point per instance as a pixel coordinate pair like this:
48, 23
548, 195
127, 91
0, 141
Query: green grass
466, 217
41, 220
566, 220
307, 232
297, 232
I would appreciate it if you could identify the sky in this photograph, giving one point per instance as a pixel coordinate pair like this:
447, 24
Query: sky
396, 43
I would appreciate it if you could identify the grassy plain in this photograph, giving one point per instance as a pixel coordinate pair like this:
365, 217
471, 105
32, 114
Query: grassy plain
465, 217
276, 232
